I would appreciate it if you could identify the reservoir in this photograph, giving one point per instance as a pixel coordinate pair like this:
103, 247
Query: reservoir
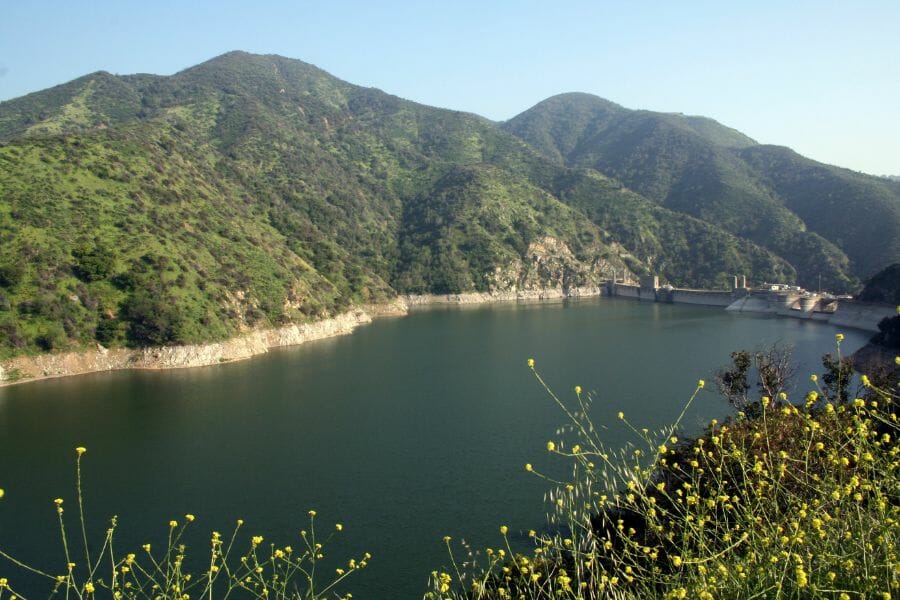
407, 430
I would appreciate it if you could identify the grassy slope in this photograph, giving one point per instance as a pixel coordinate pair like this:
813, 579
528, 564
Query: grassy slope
256, 190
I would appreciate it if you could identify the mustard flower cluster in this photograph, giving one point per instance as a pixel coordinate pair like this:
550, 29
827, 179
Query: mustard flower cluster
794, 500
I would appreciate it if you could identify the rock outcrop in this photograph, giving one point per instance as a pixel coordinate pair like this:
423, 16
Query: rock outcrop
513, 295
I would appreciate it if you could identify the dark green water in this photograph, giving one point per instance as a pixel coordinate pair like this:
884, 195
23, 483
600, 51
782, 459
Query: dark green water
408, 430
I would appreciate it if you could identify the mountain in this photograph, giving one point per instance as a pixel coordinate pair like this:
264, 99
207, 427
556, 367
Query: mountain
827, 222
253, 191
884, 287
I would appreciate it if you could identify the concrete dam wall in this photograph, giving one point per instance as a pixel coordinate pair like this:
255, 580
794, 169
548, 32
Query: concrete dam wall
778, 300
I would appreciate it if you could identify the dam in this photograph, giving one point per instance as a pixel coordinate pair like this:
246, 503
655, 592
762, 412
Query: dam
776, 299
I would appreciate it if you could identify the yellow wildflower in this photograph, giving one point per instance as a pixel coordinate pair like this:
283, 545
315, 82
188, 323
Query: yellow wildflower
338, 527
578, 389
311, 513
551, 446
530, 363
444, 581
504, 529
173, 523
189, 518
701, 384
80, 450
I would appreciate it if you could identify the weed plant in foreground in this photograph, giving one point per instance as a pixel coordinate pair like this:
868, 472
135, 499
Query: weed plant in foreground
780, 501
239, 566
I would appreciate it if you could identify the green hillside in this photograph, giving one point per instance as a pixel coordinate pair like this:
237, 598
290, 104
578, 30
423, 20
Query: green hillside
859, 213
884, 287
793, 206
253, 191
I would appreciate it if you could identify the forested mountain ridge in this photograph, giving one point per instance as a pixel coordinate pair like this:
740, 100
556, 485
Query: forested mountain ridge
253, 191
884, 287
795, 207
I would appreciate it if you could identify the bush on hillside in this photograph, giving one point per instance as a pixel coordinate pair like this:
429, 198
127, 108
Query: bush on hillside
781, 500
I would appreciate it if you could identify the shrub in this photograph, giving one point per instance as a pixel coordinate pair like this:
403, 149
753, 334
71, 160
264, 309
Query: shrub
11, 274
93, 262
152, 320
796, 501
52, 337
109, 330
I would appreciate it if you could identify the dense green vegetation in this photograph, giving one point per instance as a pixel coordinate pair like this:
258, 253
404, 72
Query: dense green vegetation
884, 287
795, 207
253, 191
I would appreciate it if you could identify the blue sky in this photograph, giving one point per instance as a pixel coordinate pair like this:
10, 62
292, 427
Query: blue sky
821, 77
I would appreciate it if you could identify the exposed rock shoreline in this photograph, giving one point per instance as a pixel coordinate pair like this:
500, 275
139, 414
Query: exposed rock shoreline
24, 369
505, 296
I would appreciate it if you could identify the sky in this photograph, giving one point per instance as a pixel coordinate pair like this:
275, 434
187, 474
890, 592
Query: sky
820, 77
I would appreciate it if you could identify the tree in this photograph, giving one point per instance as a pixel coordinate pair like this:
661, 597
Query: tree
152, 320
837, 377
733, 383
773, 367
93, 262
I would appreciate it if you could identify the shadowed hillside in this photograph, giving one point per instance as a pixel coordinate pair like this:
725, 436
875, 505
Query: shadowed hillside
793, 206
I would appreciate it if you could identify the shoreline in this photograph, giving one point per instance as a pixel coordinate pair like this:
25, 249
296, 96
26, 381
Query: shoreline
28, 369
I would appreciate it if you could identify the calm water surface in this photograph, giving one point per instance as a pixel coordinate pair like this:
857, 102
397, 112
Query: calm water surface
408, 430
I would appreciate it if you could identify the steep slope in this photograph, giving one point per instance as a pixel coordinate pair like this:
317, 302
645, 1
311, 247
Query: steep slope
478, 217
859, 213
254, 190
884, 287
93, 101
698, 167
